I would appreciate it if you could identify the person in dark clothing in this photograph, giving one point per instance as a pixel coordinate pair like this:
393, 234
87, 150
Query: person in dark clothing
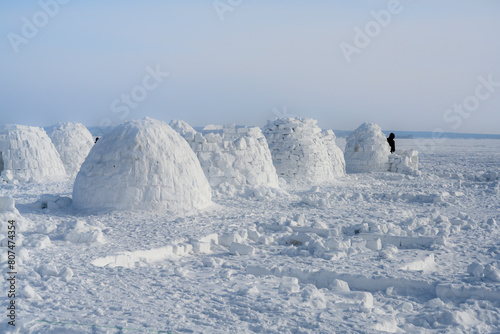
391, 142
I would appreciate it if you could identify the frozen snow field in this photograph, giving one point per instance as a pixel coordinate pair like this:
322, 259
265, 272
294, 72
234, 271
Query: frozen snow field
369, 253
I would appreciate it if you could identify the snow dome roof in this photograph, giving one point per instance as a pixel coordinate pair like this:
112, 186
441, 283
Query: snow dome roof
27, 153
300, 153
73, 141
234, 156
142, 165
182, 127
367, 150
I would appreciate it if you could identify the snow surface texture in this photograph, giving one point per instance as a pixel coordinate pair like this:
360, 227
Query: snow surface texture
301, 153
27, 154
73, 142
232, 157
367, 150
141, 165
369, 253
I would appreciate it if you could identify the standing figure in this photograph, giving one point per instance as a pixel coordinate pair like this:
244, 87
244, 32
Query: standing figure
391, 142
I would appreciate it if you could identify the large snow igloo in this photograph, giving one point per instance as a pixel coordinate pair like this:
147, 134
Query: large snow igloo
141, 165
367, 150
230, 155
27, 154
302, 153
73, 141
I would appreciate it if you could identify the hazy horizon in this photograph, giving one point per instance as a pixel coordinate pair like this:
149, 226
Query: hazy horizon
426, 67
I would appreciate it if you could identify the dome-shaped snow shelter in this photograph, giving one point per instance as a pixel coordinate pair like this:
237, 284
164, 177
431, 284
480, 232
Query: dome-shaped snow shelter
367, 150
300, 153
27, 153
73, 141
141, 165
230, 155
182, 127
335, 153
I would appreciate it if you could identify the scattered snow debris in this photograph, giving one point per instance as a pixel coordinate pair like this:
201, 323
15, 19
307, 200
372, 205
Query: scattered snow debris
289, 285
367, 150
339, 285
491, 222
404, 161
228, 238
73, 142
181, 272
78, 231
48, 269
66, 274
27, 154
37, 241
302, 154
476, 269
141, 165
491, 272
241, 249
7, 204
29, 293
47, 201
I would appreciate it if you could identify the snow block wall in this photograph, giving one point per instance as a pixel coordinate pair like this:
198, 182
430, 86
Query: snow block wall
234, 156
73, 142
367, 150
403, 161
27, 154
142, 165
301, 153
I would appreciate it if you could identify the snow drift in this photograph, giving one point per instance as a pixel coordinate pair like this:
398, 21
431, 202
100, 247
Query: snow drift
27, 154
231, 156
302, 153
73, 142
141, 165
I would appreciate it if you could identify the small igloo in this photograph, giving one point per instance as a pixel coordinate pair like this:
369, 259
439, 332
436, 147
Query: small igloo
73, 141
301, 153
367, 150
234, 156
27, 154
141, 165
182, 127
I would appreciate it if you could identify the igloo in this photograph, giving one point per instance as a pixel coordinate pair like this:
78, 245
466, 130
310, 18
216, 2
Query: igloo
27, 153
73, 142
301, 153
235, 156
182, 127
367, 150
334, 152
141, 165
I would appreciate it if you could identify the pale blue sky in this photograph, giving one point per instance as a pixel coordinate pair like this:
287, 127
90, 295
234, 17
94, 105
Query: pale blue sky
264, 56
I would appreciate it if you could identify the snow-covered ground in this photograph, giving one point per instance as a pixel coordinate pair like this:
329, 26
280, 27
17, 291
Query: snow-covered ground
379, 252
